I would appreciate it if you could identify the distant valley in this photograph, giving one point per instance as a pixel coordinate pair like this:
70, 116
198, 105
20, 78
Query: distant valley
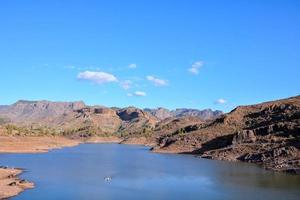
267, 134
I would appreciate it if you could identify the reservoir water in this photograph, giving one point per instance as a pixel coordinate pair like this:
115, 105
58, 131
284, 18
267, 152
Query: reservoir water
80, 173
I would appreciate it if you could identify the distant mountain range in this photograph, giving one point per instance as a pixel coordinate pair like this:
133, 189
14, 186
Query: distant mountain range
207, 114
77, 117
46, 111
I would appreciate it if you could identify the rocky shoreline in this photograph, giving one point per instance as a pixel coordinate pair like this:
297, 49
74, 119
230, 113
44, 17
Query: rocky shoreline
11, 184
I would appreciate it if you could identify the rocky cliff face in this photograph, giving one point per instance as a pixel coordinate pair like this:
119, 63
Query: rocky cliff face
136, 122
267, 134
160, 113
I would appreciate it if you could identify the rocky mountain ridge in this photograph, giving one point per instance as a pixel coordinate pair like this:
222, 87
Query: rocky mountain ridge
33, 111
206, 114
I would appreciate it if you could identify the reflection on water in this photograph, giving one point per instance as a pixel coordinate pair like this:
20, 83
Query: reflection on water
79, 173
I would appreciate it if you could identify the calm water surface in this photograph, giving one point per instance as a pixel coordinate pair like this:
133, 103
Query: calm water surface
78, 173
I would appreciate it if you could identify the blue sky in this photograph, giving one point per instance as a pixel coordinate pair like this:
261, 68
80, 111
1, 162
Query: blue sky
170, 53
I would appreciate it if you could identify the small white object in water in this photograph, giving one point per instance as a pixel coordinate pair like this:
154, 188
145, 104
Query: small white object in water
107, 178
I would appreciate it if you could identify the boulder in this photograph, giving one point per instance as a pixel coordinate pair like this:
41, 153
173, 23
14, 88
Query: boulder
244, 136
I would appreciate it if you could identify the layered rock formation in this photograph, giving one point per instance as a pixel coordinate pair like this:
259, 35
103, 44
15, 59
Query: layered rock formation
267, 134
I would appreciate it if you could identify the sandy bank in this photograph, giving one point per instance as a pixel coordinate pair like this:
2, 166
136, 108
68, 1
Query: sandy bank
9, 144
110, 139
33, 144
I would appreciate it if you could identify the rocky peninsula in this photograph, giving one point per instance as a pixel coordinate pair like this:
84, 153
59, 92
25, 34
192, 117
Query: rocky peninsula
10, 184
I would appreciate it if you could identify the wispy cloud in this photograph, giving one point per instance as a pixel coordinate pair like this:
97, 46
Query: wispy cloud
97, 77
137, 93
157, 81
140, 93
126, 84
194, 69
220, 101
132, 66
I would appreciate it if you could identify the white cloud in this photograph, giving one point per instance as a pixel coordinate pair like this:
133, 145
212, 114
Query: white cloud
194, 69
221, 101
137, 93
132, 66
97, 77
126, 84
157, 81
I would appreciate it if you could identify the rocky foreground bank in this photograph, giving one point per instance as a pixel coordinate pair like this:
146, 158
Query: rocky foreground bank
10, 184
